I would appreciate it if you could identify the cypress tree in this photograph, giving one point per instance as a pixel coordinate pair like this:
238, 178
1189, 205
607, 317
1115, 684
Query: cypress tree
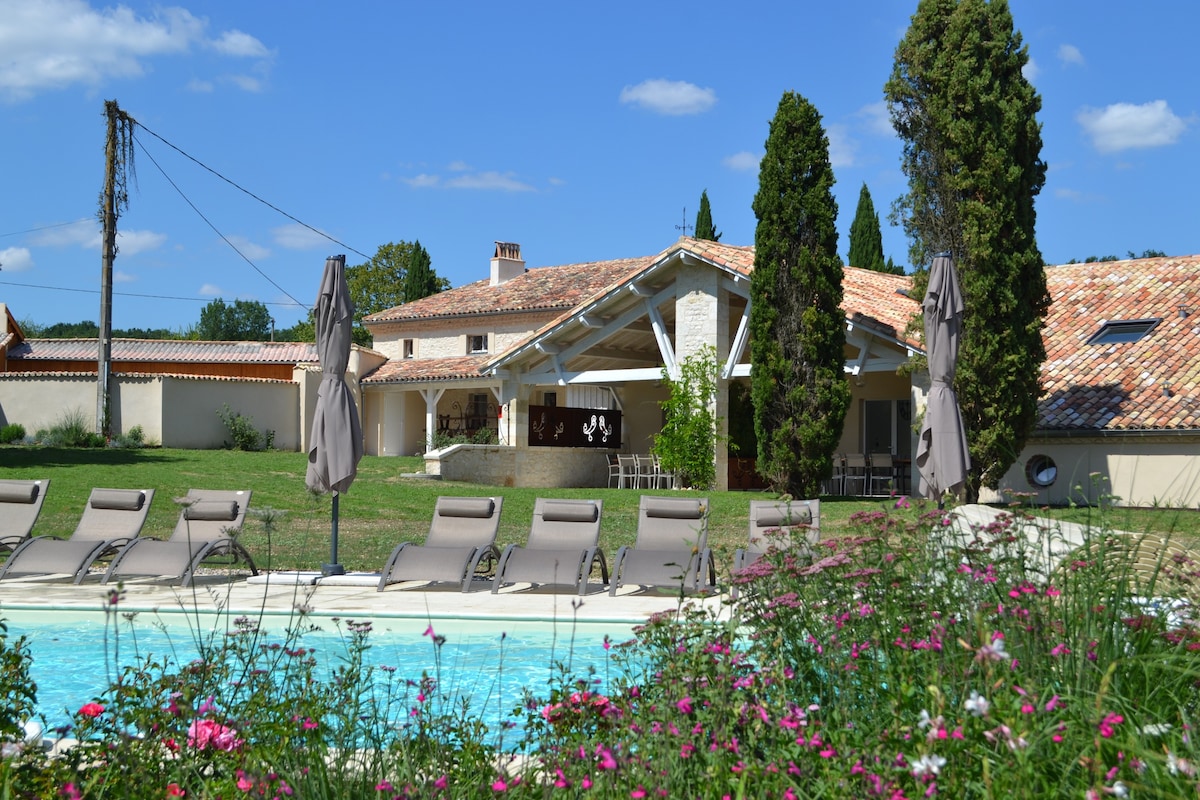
419, 278
797, 328
866, 240
704, 224
968, 120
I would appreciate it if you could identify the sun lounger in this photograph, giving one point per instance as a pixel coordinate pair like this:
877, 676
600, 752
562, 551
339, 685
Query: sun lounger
111, 519
671, 548
562, 550
207, 528
792, 525
780, 524
20, 504
461, 534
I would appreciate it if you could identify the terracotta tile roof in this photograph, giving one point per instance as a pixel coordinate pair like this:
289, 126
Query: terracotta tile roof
740, 259
168, 350
405, 370
878, 300
539, 289
19, 376
1117, 387
5, 338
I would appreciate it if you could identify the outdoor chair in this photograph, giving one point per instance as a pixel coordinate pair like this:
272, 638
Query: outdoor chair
882, 473
614, 470
461, 535
628, 474
780, 525
671, 548
111, 519
836, 484
562, 550
207, 528
1153, 566
854, 474
647, 477
20, 505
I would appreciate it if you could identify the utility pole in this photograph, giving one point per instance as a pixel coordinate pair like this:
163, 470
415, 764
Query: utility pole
118, 162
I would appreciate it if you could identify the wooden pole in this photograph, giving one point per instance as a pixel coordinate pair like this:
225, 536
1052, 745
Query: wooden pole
108, 214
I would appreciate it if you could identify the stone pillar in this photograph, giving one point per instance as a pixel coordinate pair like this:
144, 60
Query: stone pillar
702, 317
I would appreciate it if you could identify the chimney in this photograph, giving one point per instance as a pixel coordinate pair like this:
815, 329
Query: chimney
507, 263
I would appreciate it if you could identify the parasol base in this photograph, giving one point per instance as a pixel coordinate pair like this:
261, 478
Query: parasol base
332, 569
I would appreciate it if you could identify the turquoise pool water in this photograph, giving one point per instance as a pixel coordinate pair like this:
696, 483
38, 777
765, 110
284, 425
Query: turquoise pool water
489, 662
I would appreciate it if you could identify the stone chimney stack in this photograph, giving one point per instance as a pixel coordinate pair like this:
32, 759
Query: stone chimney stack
507, 263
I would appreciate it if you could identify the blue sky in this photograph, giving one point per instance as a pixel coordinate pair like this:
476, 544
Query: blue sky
580, 131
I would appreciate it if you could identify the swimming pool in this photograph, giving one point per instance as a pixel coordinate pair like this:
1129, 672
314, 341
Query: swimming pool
489, 663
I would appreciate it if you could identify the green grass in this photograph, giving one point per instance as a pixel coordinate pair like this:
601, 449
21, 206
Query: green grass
382, 508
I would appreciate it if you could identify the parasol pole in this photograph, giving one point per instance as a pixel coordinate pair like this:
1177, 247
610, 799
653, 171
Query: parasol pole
333, 567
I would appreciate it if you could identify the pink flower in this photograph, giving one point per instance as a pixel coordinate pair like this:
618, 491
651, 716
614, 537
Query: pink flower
1053, 703
244, 783
91, 710
205, 733
684, 705
384, 786
499, 785
1106, 725
638, 793
429, 631
70, 792
441, 783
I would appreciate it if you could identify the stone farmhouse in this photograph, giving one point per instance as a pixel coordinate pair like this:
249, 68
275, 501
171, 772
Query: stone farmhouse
559, 367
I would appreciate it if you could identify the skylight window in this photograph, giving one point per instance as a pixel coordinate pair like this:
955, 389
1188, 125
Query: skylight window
1118, 330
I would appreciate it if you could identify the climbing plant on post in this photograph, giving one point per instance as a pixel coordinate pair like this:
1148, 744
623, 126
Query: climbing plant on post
687, 443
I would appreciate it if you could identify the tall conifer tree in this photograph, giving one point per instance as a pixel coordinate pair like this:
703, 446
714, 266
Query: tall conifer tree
798, 385
972, 152
866, 240
704, 223
419, 278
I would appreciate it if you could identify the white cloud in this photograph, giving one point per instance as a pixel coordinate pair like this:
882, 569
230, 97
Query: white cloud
297, 237
422, 181
877, 119
674, 98
458, 166
85, 232
1069, 54
1124, 126
15, 259
252, 251
123, 277
1030, 70
247, 83
130, 243
239, 44
210, 290
742, 162
489, 180
55, 44
199, 86
842, 147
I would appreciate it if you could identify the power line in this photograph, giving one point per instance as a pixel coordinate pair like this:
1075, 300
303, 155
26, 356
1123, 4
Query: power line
293, 304
246, 191
48, 227
214, 227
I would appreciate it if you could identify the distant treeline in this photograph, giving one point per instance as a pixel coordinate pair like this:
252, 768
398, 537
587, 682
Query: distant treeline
90, 330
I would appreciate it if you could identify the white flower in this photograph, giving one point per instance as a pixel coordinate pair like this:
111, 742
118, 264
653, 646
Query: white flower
977, 704
928, 764
925, 720
1156, 728
1177, 765
1119, 789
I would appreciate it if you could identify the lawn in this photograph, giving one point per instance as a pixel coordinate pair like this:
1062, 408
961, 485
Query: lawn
384, 508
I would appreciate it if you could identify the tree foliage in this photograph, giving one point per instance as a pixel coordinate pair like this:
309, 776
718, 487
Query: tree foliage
420, 280
866, 238
241, 321
704, 222
967, 118
797, 328
381, 283
687, 442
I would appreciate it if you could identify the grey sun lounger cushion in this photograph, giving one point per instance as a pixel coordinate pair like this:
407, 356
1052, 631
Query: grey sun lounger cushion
20, 505
462, 533
671, 549
793, 525
111, 518
563, 547
206, 532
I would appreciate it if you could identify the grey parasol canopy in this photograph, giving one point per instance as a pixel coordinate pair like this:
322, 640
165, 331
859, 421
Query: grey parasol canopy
335, 445
942, 455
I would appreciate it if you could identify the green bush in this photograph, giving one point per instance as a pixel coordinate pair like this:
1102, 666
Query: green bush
133, 439
12, 433
71, 430
243, 433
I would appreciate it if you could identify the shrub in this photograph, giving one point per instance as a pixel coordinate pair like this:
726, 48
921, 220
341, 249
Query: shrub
133, 439
243, 433
71, 430
12, 433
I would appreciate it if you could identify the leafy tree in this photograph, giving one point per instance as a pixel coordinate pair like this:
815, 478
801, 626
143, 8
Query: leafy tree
972, 143
380, 284
420, 280
303, 331
144, 333
687, 442
797, 328
704, 223
866, 239
243, 321
87, 329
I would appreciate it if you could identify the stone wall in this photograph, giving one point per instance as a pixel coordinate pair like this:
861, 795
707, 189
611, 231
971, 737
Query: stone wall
542, 467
